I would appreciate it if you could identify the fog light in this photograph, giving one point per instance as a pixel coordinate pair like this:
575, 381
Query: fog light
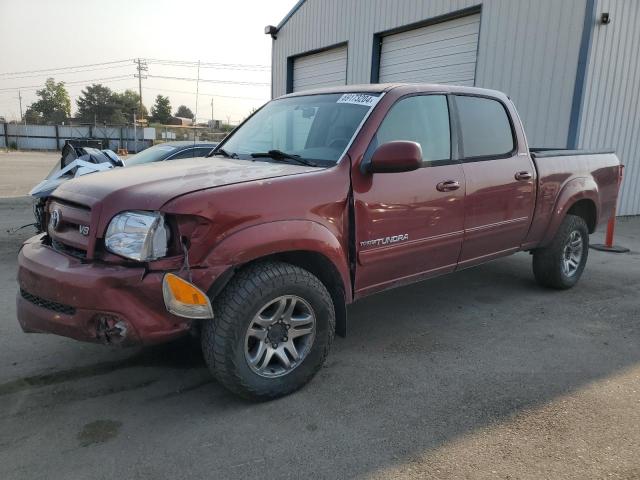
184, 299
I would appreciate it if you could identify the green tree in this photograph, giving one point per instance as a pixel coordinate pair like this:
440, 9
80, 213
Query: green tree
54, 105
118, 117
96, 104
161, 110
184, 112
126, 103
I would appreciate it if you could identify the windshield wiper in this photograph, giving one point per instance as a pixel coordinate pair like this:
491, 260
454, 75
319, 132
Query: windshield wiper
280, 156
223, 152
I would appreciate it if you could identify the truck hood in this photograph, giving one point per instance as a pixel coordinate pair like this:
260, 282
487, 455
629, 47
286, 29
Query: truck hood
148, 187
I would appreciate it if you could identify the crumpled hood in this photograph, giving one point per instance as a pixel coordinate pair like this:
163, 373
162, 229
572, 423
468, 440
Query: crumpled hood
148, 187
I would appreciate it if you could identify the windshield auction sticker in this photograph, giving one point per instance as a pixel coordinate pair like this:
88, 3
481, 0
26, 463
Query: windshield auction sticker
358, 99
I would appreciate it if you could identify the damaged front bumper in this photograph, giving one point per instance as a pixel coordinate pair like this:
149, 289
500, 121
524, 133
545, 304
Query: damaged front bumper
93, 302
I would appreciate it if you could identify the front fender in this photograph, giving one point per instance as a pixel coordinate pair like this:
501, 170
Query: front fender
573, 191
266, 239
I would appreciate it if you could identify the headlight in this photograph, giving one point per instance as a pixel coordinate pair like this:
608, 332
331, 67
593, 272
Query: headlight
137, 235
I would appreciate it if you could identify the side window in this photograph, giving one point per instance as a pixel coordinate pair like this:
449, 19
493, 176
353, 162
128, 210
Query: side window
201, 152
423, 119
188, 153
485, 127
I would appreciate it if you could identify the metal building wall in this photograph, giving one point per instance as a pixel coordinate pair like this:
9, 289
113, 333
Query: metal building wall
43, 137
528, 48
610, 114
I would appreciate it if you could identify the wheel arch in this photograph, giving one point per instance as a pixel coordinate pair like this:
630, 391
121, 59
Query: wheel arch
585, 208
578, 197
305, 244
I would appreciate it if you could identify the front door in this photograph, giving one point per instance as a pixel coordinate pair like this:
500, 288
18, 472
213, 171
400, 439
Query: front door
410, 225
500, 181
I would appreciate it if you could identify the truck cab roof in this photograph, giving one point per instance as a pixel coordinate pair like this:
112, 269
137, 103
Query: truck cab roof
400, 88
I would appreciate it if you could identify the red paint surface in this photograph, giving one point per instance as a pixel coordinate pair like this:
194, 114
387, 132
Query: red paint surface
236, 211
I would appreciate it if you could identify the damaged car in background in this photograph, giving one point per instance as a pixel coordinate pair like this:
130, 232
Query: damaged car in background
317, 200
78, 160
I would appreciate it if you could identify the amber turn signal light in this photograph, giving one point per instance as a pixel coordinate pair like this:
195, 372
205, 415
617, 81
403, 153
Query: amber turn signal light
184, 299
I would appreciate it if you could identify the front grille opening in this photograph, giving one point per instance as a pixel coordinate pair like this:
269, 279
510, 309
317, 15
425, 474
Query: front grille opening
48, 304
68, 249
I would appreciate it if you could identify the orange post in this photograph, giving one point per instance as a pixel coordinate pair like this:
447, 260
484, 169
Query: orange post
608, 245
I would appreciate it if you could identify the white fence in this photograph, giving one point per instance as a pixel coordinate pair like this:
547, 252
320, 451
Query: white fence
53, 137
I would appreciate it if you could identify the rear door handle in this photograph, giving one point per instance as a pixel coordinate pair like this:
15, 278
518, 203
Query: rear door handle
523, 176
448, 186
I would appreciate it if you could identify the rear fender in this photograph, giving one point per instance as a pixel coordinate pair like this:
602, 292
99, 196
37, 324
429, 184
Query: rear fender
575, 190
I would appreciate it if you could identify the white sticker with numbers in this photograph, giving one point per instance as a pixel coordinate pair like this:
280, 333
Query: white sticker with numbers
358, 99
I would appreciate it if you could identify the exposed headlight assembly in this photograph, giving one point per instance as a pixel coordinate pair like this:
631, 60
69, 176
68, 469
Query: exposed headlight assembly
138, 235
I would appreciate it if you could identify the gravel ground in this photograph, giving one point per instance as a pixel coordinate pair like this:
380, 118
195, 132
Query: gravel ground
479, 374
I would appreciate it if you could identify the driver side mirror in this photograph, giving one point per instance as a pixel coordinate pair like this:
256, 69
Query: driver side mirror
396, 156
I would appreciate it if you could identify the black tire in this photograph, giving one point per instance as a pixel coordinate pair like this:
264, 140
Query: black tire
548, 261
223, 339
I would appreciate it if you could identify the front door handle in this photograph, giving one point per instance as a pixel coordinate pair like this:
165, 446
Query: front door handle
523, 176
448, 186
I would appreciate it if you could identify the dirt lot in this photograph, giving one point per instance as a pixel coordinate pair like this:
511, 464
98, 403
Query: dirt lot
21, 171
480, 374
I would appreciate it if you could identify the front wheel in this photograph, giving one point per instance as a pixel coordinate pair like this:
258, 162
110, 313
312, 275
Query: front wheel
272, 329
561, 264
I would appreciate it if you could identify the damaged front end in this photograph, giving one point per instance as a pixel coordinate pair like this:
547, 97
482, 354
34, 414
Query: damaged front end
111, 330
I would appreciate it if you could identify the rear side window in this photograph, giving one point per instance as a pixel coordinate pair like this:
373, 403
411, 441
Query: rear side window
187, 153
422, 119
201, 152
485, 127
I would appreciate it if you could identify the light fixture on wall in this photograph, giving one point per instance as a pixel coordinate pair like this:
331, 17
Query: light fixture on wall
605, 19
271, 30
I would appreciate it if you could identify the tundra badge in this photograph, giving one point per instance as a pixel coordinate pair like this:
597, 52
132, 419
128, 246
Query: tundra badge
385, 241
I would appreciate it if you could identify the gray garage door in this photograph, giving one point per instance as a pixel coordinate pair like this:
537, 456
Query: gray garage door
324, 69
440, 53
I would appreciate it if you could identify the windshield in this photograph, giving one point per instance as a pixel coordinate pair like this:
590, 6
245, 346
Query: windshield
151, 154
315, 127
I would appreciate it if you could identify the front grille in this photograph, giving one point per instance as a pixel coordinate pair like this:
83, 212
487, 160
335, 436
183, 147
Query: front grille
68, 249
48, 304
66, 229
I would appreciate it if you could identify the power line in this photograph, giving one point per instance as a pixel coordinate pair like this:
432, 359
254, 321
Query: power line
204, 94
66, 68
67, 72
75, 82
231, 82
185, 63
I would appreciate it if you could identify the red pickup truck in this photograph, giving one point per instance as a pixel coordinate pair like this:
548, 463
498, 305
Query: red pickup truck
318, 199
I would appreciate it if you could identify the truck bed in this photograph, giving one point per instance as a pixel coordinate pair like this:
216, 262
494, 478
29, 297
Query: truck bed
561, 172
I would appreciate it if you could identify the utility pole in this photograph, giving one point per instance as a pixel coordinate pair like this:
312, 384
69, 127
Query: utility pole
135, 131
20, 101
212, 121
195, 117
141, 67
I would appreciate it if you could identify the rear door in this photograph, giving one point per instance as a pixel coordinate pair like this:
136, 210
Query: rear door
409, 225
500, 181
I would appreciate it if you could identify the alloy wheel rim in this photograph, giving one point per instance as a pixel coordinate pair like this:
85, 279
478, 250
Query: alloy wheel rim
280, 336
572, 254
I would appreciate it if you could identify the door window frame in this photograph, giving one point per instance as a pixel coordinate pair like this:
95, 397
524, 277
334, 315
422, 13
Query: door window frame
455, 115
454, 141
188, 149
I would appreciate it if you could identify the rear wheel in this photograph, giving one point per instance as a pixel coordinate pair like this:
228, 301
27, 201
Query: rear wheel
561, 264
272, 329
